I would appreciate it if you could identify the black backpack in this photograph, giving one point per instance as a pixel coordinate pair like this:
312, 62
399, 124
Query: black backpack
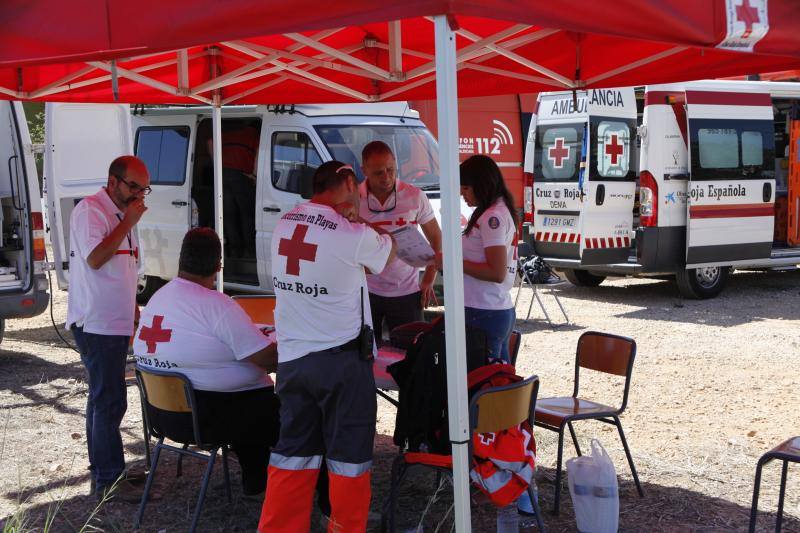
421, 423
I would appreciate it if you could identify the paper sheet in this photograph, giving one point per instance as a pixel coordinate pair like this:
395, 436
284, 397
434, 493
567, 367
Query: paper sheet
412, 247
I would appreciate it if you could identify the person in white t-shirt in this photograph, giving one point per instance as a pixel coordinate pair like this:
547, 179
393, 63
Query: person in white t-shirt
325, 378
101, 306
396, 294
489, 243
191, 328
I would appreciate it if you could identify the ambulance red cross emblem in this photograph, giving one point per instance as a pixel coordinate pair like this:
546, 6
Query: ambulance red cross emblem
296, 249
558, 153
152, 335
614, 149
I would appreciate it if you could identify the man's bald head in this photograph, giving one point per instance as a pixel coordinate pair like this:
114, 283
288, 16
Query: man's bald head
128, 180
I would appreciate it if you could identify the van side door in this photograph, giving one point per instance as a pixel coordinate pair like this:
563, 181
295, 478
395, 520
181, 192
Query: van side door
293, 155
81, 140
731, 196
165, 144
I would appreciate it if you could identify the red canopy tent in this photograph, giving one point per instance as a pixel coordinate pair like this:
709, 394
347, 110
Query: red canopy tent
269, 51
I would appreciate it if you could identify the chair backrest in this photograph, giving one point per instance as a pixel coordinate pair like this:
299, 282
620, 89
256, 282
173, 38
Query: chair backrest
514, 342
497, 408
260, 308
170, 392
608, 353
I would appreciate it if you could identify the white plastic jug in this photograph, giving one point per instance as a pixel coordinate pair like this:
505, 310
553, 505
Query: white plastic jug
594, 491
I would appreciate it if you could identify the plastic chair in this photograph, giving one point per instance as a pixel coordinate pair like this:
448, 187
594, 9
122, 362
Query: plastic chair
172, 393
603, 352
525, 252
787, 451
260, 308
490, 410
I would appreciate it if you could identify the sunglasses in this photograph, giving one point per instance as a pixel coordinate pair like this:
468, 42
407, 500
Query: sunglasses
134, 187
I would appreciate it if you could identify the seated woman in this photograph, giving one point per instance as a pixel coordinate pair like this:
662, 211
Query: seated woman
489, 242
190, 328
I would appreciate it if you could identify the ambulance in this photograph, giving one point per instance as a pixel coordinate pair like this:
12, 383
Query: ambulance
290, 142
709, 182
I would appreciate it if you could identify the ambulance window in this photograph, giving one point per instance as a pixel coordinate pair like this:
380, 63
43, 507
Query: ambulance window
718, 147
752, 148
558, 150
293, 158
164, 151
613, 149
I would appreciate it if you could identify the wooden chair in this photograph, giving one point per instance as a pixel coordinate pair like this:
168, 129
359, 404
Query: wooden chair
602, 352
260, 308
514, 342
490, 410
787, 451
171, 393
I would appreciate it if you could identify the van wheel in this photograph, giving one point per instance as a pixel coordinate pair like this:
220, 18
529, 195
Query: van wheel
146, 287
583, 278
702, 283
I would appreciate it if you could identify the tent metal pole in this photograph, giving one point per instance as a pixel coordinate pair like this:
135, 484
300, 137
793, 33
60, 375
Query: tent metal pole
447, 111
216, 135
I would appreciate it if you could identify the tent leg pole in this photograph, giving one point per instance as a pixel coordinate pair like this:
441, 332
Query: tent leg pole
447, 111
216, 135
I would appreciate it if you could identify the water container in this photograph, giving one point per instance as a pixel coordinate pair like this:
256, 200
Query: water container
593, 487
508, 519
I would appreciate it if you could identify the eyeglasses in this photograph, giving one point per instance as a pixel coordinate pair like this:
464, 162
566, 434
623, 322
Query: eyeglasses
133, 186
380, 208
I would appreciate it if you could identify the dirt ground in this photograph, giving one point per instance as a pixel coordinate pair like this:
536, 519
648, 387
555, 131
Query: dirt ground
715, 385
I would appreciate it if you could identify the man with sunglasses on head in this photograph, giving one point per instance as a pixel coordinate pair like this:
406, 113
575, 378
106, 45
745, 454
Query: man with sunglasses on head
103, 265
396, 294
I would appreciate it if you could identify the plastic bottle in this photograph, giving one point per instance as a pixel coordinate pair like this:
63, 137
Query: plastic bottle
508, 519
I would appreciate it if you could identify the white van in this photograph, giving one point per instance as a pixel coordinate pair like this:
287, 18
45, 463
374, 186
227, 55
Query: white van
714, 183
290, 142
23, 282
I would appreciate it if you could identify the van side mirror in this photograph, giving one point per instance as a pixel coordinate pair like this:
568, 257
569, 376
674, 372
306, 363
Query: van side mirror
307, 183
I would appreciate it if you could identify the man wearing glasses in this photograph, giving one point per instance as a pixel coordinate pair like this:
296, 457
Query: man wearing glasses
396, 294
103, 265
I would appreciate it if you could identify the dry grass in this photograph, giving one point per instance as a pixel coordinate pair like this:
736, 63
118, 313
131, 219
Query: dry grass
715, 386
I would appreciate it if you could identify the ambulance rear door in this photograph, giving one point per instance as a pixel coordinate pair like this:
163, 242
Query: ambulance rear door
608, 183
81, 140
731, 195
558, 130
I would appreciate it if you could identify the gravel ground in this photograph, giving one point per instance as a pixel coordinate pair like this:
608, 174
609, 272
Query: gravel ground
714, 387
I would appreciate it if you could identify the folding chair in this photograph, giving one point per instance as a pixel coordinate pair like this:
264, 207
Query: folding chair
603, 352
172, 394
525, 253
490, 410
787, 451
260, 308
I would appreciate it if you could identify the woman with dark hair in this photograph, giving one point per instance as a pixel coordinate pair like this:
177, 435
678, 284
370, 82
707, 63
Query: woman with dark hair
489, 244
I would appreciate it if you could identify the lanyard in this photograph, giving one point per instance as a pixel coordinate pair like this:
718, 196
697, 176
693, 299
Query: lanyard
130, 250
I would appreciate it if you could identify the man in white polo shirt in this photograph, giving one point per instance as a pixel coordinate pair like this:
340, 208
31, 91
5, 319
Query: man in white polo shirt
396, 294
325, 378
191, 328
103, 265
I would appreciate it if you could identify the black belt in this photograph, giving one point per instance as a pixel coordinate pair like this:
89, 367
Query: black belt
354, 344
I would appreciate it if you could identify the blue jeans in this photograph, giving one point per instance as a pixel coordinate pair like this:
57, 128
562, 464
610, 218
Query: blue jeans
497, 324
104, 357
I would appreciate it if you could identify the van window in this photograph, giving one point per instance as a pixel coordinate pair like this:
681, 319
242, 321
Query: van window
293, 157
719, 148
613, 149
752, 153
732, 149
558, 152
164, 150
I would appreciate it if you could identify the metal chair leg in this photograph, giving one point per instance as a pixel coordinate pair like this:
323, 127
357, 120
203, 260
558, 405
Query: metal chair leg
574, 439
206, 478
781, 496
146, 434
630, 458
558, 301
149, 483
756, 491
534, 495
179, 472
227, 473
557, 498
398, 470
541, 304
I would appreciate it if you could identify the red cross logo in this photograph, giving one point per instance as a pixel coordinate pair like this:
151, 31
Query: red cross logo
747, 14
296, 248
487, 438
558, 153
153, 335
614, 149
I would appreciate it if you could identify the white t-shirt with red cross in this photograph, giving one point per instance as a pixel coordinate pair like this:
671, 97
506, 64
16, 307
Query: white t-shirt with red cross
494, 227
318, 261
204, 335
102, 301
406, 205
